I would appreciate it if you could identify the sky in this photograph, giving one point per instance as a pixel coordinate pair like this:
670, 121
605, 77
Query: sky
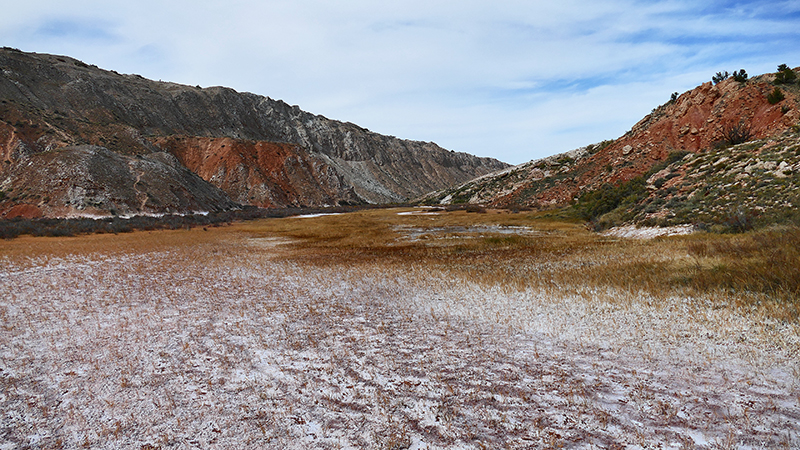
516, 80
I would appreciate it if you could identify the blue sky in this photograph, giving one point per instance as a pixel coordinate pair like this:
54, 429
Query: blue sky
515, 80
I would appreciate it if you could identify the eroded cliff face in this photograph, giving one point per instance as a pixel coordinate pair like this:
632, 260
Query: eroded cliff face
695, 122
261, 173
51, 102
380, 168
93, 181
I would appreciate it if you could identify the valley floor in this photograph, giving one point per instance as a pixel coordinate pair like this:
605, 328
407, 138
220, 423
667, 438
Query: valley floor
227, 342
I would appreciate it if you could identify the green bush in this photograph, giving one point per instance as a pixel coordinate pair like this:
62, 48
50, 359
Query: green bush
776, 96
608, 197
720, 76
740, 76
785, 75
673, 156
610, 205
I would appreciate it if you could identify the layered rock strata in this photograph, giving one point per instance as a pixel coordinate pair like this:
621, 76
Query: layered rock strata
284, 156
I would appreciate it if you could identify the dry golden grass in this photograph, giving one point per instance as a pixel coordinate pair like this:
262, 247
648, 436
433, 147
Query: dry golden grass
139, 241
515, 251
380, 330
754, 269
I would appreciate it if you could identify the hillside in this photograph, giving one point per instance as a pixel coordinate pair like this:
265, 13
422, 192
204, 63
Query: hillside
257, 150
96, 182
684, 150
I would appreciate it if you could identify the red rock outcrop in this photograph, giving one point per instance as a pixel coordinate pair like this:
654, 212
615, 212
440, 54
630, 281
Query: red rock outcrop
94, 181
49, 102
265, 174
693, 122
23, 210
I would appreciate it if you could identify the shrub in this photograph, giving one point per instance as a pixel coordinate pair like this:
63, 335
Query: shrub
775, 96
740, 221
565, 160
673, 97
740, 76
672, 157
11, 228
608, 197
737, 133
720, 76
785, 75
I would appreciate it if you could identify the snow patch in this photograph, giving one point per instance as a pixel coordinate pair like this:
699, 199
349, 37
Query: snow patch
633, 232
312, 216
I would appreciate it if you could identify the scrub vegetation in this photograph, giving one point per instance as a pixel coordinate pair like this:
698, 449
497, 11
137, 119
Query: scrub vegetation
734, 188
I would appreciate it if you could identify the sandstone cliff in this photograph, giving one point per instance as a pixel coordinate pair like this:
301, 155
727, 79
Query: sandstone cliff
274, 154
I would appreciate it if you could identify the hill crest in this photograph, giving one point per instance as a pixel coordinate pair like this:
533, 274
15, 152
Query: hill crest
52, 102
698, 122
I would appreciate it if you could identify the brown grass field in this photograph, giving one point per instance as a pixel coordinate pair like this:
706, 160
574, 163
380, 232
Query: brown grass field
400, 328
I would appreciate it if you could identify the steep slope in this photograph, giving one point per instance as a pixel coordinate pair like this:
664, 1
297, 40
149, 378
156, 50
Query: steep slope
756, 183
260, 173
699, 122
49, 102
88, 180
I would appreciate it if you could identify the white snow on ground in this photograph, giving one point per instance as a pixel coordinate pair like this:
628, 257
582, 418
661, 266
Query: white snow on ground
415, 234
631, 231
418, 213
313, 216
183, 349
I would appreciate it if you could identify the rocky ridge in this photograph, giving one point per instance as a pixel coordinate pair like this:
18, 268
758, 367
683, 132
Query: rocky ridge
48, 103
735, 188
695, 124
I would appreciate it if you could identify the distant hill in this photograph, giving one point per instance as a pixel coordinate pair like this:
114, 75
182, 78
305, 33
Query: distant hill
252, 149
724, 154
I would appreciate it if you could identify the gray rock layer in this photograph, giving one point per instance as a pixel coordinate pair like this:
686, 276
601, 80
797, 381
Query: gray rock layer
80, 102
89, 180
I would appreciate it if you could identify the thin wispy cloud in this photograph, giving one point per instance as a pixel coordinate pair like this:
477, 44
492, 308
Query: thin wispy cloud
515, 80
80, 30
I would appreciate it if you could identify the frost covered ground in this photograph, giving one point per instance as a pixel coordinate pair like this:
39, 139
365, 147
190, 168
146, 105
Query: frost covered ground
231, 345
633, 232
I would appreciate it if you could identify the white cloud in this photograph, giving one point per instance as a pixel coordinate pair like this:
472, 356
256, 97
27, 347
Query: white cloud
510, 79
